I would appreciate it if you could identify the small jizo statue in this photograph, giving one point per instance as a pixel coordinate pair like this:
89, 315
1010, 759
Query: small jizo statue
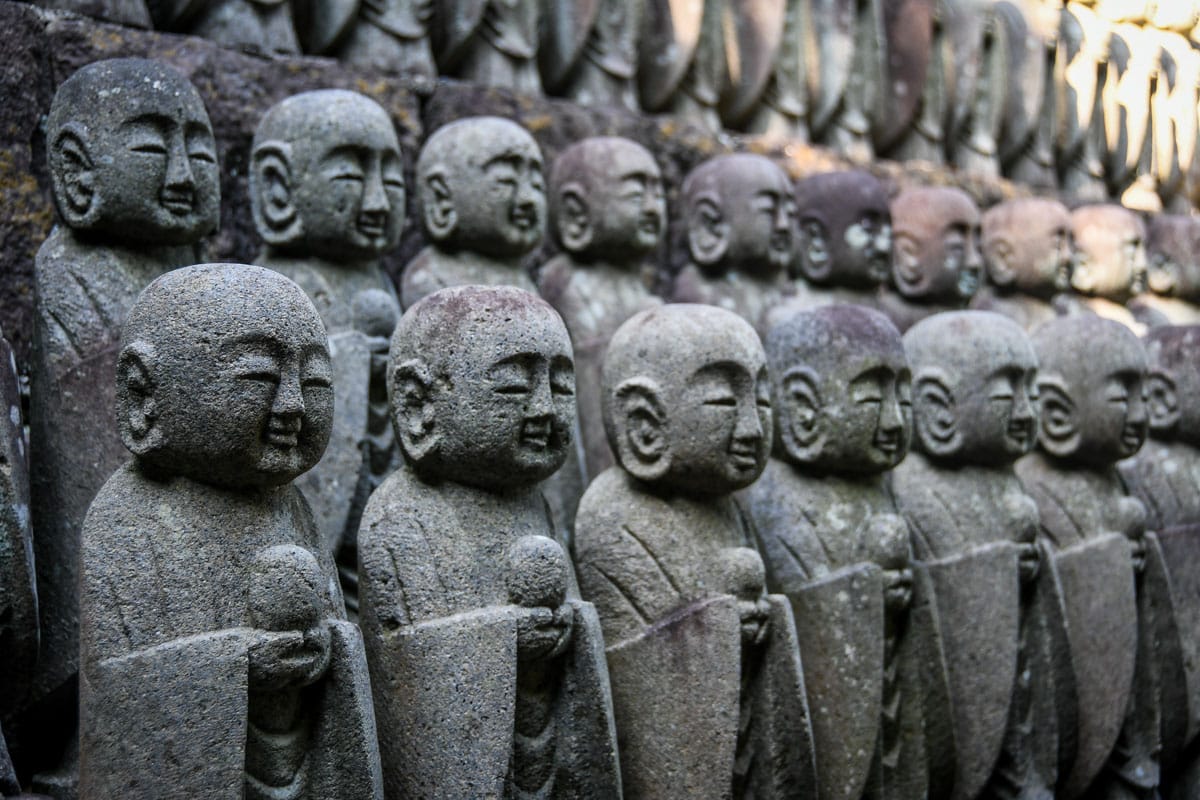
740, 219
975, 412
216, 658
682, 63
608, 214
936, 263
1090, 382
827, 525
1110, 261
488, 669
589, 50
133, 167
844, 247
387, 35
483, 207
265, 27
327, 192
707, 690
489, 42
1173, 272
1028, 251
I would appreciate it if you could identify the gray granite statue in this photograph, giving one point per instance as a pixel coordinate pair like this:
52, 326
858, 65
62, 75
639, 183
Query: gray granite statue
488, 669
1173, 272
1090, 383
978, 78
387, 35
133, 13
482, 199
829, 530
1081, 71
847, 50
1029, 30
327, 192
975, 412
265, 27
768, 94
936, 263
1110, 261
682, 63
707, 687
608, 214
911, 124
136, 185
739, 215
589, 50
1028, 253
216, 660
489, 42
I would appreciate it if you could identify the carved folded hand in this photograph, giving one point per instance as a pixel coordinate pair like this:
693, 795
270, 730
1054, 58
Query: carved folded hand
897, 589
544, 633
288, 659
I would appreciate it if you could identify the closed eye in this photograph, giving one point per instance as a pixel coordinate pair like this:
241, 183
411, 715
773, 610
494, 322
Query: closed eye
317, 382
150, 147
727, 401
263, 375
511, 389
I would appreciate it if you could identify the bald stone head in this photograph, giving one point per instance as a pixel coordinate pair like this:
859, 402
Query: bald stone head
482, 387
845, 230
1090, 382
1173, 382
686, 400
327, 177
841, 390
481, 188
974, 392
1027, 246
606, 200
936, 254
1173, 256
740, 215
132, 155
224, 377
1110, 252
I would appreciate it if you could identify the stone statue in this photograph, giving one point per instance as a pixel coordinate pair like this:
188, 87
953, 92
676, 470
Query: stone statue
682, 63
1028, 253
1173, 273
265, 27
136, 185
608, 214
844, 247
1081, 71
848, 50
327, 192
488, 669
936, 263
489, 42
133, 13
589, 50
483, 207
707, 689
1090, 386
215, 655
1029, 30
828, 529
978, 85
1131, 71
767, 95
387, 35
1110, 261
912, 127
740, 218
1173, 118
975, 413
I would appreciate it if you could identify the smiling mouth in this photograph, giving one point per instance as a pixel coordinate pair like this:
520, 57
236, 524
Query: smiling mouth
372, 229
536, 435
178, 203
649, 224
968, 283
1020, 432
743, 458
877, 266
887, 443
524, 220
284, 434
1132, 438
781, 241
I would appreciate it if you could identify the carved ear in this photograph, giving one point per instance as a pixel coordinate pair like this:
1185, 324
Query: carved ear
137, 406
437, 206
574, 223
1162, 401
935, 415
1058, 429
708, 231
801, 435
73, 174
410, 394
999, 255
640, 438
906, 264
271, 194
816, 261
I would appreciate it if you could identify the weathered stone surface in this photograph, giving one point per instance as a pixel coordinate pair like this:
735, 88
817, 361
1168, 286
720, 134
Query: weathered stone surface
1173, 273
1110, 262
490, 43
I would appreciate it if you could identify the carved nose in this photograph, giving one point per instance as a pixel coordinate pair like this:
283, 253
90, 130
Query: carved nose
374, 197
179, 171
289, 399
890, 419
541, 403
748, 428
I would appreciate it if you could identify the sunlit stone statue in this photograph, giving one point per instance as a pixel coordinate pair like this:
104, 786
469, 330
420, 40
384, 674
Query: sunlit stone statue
1174, 124
1030, 31
265, 27
482, 200
1028, 253
1110, 261
1081, 72
707, 689
1172, 274
936, 263
829, 530
608, 214
740, 219
1090, 384
978, 76
488, 669
768, 94
682, 62
388, 35
589, 50
1131, 75
136, 185
489, 42
216, 659
975, 413
327, 192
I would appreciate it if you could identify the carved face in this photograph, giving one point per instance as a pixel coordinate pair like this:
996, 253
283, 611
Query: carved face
937, 250
1029, 246
1173, 257
741, 214
997, 402
845, 230
1111, 252
1173, 379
